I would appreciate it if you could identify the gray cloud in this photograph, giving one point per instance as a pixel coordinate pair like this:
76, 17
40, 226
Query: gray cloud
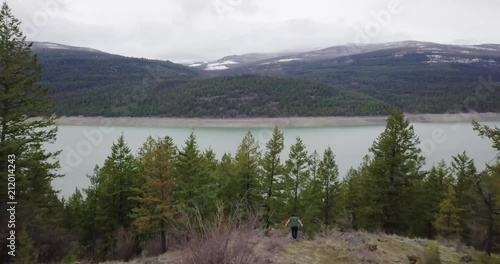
182, 30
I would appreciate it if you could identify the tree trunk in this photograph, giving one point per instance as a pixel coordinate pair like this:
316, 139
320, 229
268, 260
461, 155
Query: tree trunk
163, 237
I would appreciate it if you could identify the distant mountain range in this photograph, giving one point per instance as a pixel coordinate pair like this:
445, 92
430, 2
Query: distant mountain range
417, 77
437, 53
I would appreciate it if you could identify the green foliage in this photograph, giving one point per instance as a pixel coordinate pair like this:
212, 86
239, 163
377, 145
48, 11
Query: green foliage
448, 219
119, 182
434, 190
27, 253
157, 167
72, 256
248, 173
464, 170
220, 97
195, 185
26, 125
296, 176
272, 168
395, 172
431, 254
483, 258
328, 173
487, 189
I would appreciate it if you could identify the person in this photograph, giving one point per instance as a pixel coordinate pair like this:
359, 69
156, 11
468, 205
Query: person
294, 222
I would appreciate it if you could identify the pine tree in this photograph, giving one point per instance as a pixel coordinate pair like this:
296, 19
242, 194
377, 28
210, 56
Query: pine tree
311, 198
248, 172
228, 184
448, 219
26, 124
487, 187
297, 175
89, 223
328, 173
464, 171
75, 212
120, 181
195, 187
157, 167
396, 170
435, 188
272, 168
360, 199
27, 251
117, 181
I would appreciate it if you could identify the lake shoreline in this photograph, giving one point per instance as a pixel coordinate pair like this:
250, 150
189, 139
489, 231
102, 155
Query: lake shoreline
331, 121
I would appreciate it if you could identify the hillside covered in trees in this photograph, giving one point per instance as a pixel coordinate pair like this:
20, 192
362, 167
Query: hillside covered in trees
414, 77
223, 97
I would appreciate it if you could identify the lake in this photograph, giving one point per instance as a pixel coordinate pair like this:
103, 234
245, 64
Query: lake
84, 147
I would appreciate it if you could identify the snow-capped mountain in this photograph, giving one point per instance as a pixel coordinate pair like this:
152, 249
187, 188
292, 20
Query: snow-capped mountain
432, 53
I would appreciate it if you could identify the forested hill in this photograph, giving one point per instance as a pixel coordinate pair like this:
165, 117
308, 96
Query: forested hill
67, 69
415, 77
223, 97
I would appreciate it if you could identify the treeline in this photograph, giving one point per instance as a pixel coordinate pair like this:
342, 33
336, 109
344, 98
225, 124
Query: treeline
222, 97
163, 193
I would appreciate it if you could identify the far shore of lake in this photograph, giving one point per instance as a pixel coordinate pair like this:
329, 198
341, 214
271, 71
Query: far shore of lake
271, 122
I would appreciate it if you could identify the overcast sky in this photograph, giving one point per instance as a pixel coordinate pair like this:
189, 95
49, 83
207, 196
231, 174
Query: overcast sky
190, 30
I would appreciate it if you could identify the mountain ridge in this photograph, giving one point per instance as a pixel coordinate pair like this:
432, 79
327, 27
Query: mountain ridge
415, 77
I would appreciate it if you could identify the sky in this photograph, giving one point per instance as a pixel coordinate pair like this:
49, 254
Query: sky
198, 30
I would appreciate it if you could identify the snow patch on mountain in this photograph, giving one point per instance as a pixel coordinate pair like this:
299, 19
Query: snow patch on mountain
289, 59
216, 66
434, 59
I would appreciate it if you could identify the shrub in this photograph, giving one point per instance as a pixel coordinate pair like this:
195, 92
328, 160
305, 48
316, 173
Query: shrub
27, 252
431, 254
485, 259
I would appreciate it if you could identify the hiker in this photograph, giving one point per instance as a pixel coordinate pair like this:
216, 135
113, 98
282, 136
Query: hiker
294, 223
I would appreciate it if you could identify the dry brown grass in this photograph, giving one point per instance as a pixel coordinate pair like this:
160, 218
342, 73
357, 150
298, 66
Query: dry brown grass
336, 247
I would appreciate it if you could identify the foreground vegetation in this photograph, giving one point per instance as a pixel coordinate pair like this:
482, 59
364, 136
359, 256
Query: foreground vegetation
168, 196
333, 247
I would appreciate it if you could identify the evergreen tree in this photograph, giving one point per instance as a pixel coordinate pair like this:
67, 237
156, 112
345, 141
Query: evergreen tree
157, 167
75, 213
448, 219
487, 188
26, 124
311, 198
328, 173
359, 201
435, 188
396, 171
464, 170
120, 181
27, 251
297, 175
272, 168
228, 184
248, 172
195, 187
313, 164
116, 182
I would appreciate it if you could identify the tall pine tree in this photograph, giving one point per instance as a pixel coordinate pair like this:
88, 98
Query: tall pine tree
297, 175
272, 170
155, 209
395, 169
248, 172
26, 123
328, 173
